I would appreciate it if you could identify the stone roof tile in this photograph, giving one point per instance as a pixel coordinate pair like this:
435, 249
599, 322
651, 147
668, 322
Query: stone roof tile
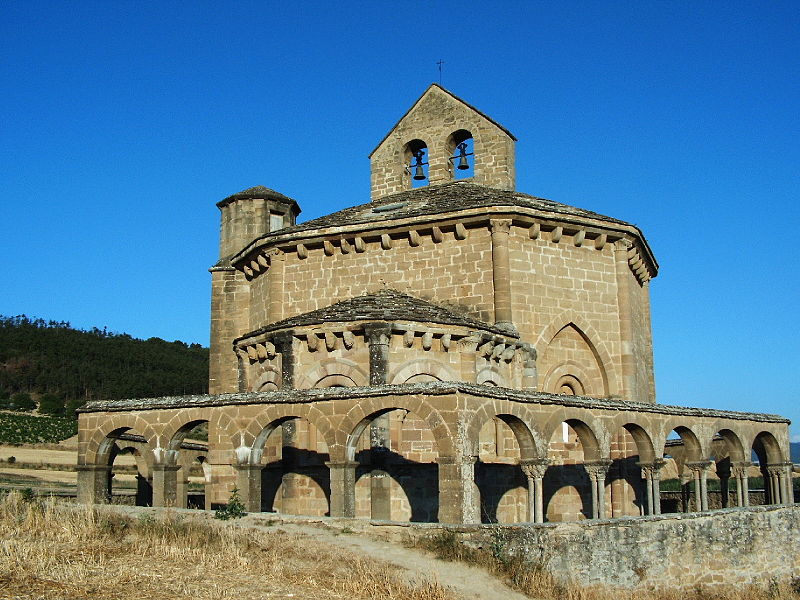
438, 199
384, 305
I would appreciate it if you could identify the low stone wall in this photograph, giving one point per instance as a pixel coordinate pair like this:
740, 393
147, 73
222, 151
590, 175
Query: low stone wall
731, 546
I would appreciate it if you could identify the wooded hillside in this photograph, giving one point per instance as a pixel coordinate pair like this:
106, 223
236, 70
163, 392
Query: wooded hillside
49, 357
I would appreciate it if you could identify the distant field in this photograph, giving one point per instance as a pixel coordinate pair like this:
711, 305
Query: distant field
18, 428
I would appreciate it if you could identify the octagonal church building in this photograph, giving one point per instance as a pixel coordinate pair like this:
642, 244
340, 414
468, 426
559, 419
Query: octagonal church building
451, 351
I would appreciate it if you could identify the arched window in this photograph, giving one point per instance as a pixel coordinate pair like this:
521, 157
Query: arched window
461, 147
416, 161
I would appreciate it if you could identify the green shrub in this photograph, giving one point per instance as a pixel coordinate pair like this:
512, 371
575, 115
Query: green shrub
22, 401
51, 404
71, 406
233, 510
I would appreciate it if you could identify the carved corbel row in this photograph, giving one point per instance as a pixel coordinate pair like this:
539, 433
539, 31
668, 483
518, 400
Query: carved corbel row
258, 351
497, 348
330, 340
579, 236
427, 338
260, 263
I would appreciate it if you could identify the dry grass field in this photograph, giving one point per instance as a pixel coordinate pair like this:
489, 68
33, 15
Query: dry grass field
56, 551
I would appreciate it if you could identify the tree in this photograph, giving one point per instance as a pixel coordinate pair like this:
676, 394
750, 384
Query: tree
22, 401
71, 406
51, 404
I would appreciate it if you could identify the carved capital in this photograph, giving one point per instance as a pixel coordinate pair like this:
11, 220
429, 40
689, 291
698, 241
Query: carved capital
535, 469
500, 226
598, 469
652, 470
700, 466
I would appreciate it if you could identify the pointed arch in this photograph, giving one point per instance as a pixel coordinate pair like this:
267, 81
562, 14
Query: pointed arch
593, 340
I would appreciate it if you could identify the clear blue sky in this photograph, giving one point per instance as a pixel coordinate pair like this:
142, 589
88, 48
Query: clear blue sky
122, 123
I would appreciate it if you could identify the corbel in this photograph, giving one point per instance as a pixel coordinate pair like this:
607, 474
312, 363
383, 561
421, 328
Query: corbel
252, 354
485, 349
498, 350
508, 354
600, 241
386, 241
313, 342
461, 231
247, 271
414, 238
436, 235
579, 237
348, 338
263, 261
330, 340
327, 246
446, 341
255, 266
408, 338
302, 251
534, 231
359, 244
345, 246
261, 350
427, 340
555, 235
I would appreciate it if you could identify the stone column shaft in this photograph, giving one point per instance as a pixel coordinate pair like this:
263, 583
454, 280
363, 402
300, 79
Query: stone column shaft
501, 272
623, 276
93, 484
165, 485
248, 481
534, 472
457, 501
276, 275
284, 342
597, 474
343, 489
378, 336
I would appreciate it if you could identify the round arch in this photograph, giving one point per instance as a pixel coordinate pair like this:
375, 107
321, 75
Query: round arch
244, 440
99, 448
334, 366
517, 418
358, 417
422, 366
592, 435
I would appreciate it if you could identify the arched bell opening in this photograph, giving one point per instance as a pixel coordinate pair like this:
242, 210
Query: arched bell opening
461, 153
294, 476
505, 444
570, 492
397, 476
415, 158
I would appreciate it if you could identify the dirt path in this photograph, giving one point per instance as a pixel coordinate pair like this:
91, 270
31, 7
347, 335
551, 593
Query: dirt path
468, 582
471, 583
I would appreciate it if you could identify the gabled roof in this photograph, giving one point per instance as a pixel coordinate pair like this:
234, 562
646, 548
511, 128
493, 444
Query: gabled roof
384, 305
454, 97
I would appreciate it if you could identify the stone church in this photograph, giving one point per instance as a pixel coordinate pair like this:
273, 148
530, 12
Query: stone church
451, 351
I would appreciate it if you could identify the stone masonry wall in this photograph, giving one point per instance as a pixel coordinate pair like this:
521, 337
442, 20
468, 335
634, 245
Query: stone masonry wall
433, 119
733, 546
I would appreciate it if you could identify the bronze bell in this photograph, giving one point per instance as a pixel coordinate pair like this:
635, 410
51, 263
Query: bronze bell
419, 174
463, 164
